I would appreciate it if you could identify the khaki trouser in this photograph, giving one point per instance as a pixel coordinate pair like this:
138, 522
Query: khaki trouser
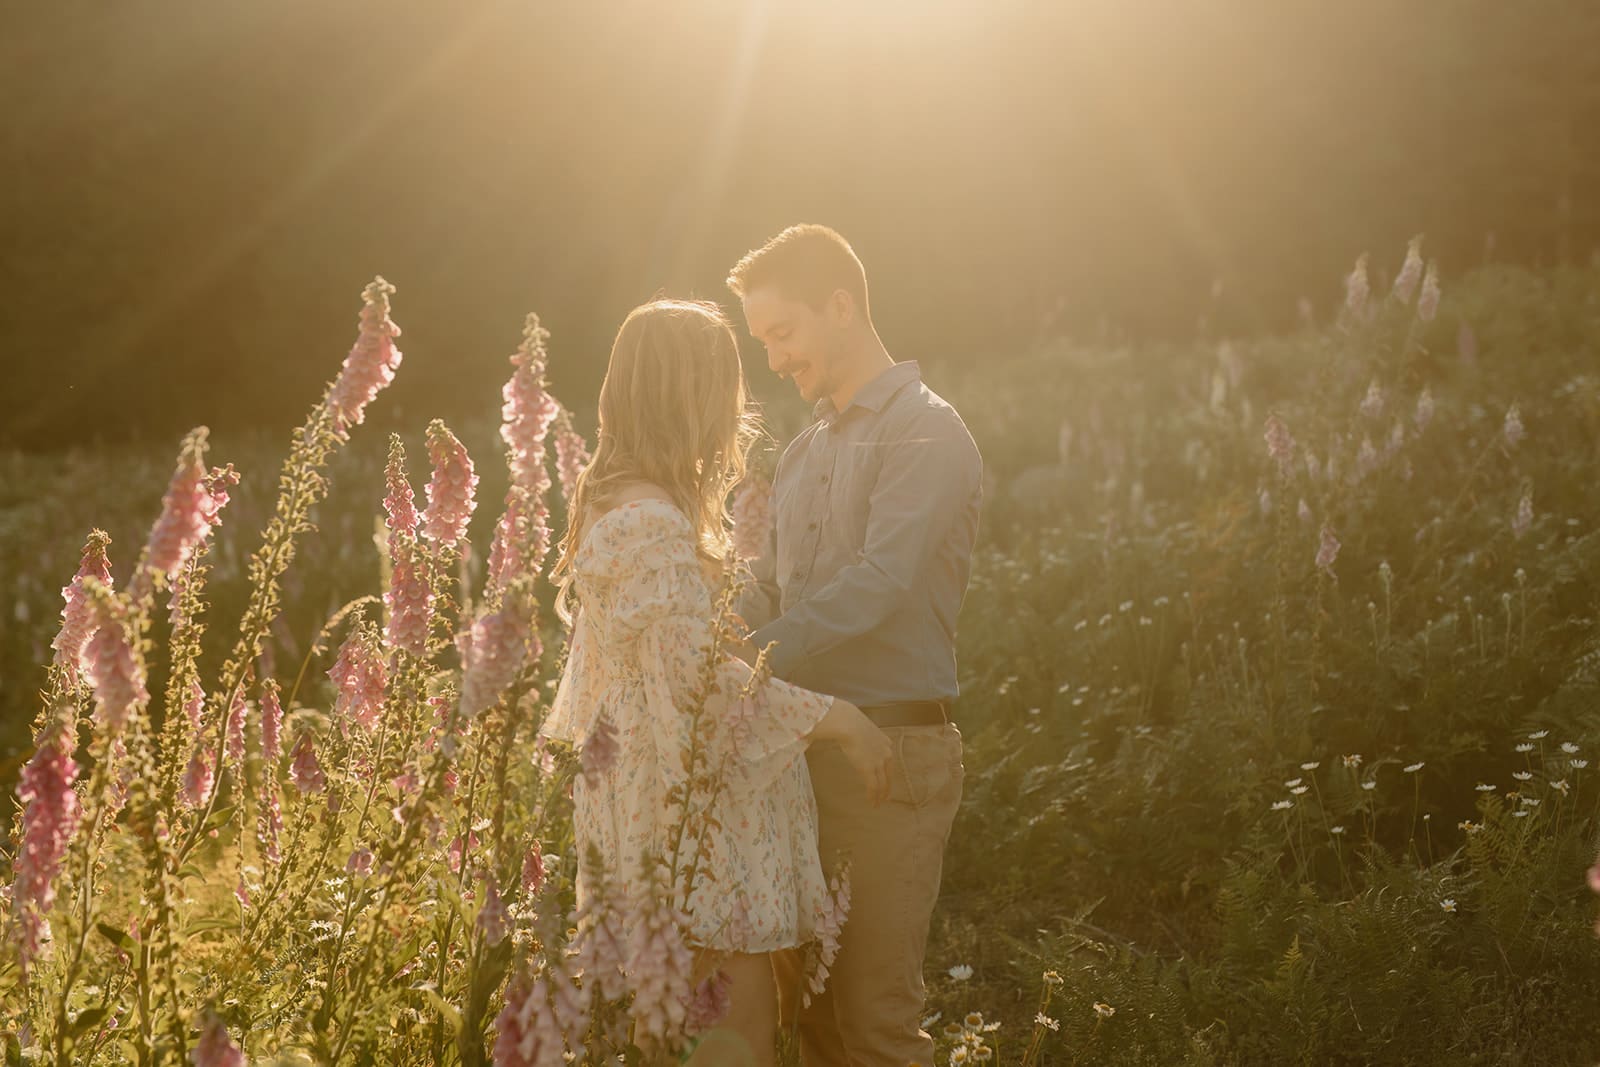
868, 1014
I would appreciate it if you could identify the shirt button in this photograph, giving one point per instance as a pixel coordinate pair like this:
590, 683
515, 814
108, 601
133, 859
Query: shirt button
811, 526
824, 479
798, 573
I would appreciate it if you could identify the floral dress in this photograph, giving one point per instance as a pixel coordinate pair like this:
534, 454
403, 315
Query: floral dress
636, 656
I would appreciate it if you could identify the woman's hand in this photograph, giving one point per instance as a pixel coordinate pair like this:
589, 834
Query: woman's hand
868, 749
865, 745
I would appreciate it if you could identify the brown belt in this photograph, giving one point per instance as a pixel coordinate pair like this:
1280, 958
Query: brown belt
907, 713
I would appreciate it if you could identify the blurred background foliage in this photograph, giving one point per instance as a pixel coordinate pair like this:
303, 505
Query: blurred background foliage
194, 190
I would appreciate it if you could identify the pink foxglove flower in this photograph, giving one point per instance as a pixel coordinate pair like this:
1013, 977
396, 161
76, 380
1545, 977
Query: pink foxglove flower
359, 675
538, 533
1594, 876
492, 918
1428, 302
600, 952
400, 503
458, 848
50, 815
115, 671
1405, 283
572, 455
1372, 403
371, 363
1280, 445
1514, 432
1265, 502
659, 962
1357, 289
450, 491
198, 778
836, 909
1397, 439
237, 713
194, 705
1328, 549
1524, 518
1304, 511
359, 863
409, 598
1466, 345
752, 517
510, 534
527, 1032
1366, 459
78, 618
1424, 413
216, 1048
709, 1003
304, 770
599, 752
533, 871
271, 721
528, 410
492, 652
186, 509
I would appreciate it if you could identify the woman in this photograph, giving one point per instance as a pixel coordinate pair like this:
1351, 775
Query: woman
646, 542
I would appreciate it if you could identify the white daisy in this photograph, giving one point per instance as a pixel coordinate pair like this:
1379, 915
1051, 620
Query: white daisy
960, 972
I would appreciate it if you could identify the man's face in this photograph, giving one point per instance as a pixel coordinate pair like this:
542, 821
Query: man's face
803, 345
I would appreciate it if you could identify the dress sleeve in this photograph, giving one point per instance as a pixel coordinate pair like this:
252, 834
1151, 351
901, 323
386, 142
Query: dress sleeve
576, 705
662, 606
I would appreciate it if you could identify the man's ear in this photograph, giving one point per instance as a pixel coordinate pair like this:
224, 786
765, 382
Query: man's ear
842, 308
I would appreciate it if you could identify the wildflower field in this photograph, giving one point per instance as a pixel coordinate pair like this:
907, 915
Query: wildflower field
1280, 672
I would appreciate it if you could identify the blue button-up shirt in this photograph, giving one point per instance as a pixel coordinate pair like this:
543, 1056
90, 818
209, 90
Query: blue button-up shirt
876, 515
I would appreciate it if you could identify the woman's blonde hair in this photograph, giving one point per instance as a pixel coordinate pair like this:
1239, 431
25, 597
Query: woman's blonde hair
673, 413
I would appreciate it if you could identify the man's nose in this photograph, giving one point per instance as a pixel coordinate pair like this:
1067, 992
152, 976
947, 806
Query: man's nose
775, 360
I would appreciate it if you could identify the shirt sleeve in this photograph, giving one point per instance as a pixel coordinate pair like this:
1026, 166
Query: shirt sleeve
929, 476
664, 609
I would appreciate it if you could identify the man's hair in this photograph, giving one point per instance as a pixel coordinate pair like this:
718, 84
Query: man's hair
806, 262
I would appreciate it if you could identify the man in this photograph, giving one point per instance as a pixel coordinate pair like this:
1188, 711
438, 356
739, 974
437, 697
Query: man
876, 513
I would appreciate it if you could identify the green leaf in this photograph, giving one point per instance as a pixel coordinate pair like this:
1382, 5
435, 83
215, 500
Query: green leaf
87, 1020
452, 1015
121, 938
200, 926
218, 817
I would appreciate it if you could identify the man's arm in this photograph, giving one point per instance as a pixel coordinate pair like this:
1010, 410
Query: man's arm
927, 478
759, 599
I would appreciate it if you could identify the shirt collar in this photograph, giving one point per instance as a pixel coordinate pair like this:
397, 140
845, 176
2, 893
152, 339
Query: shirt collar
875, 394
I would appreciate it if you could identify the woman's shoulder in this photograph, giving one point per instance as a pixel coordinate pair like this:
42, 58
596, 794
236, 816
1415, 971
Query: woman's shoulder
636, 520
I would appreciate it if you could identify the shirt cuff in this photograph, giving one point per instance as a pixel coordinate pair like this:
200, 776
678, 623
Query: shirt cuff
787, 654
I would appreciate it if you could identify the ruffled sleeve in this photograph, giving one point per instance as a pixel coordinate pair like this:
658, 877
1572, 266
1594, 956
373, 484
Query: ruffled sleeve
660, 625
580, 692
